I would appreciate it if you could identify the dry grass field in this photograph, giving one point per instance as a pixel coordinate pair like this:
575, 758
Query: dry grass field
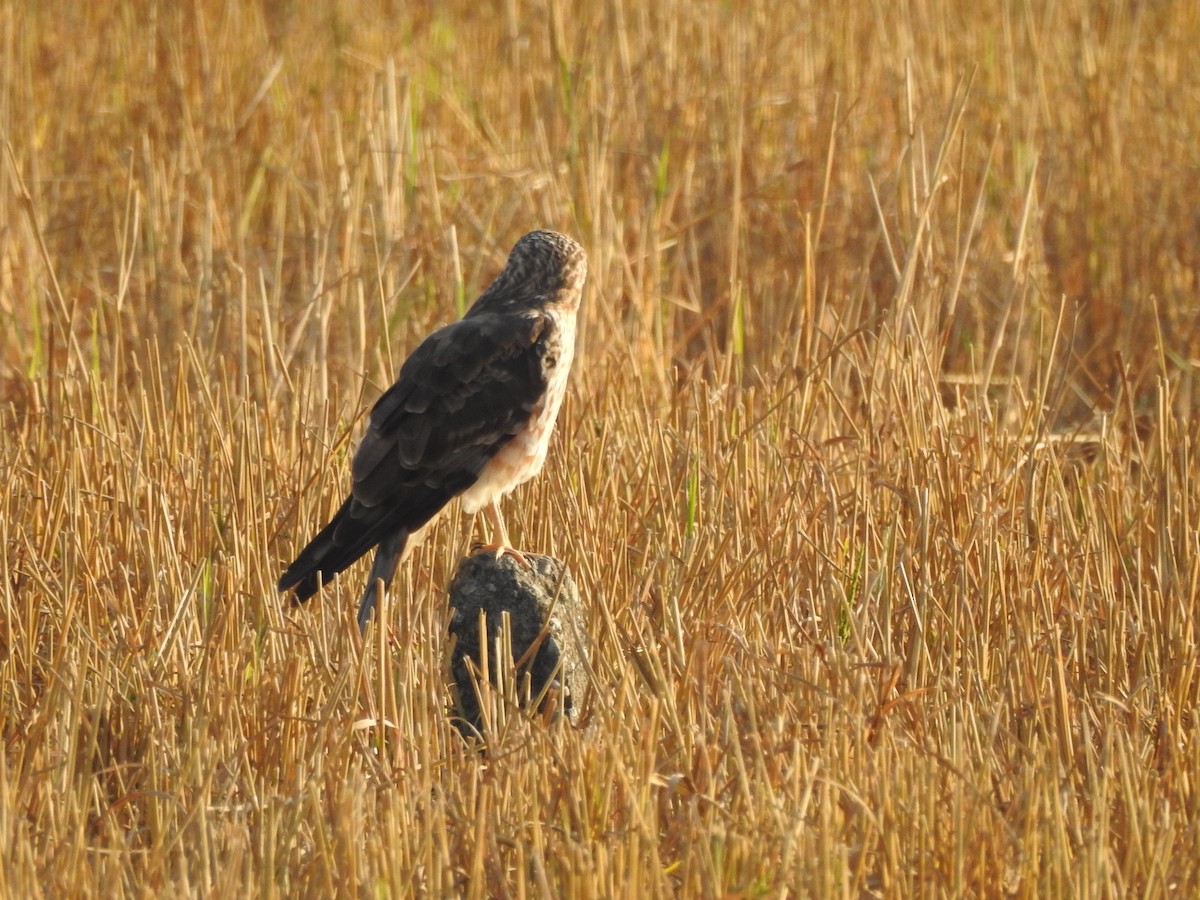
877, 468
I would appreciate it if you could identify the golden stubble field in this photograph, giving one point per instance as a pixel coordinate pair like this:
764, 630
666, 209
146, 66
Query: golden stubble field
876, 469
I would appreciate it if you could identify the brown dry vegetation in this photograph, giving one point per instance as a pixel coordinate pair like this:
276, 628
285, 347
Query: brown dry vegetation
876, 471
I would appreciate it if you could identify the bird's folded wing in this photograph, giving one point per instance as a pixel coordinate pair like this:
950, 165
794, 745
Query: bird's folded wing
465, 391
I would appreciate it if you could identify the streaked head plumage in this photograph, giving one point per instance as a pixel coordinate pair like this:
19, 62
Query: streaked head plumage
543, 267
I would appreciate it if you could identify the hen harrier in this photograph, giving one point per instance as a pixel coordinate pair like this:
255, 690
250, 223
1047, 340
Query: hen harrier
470, 415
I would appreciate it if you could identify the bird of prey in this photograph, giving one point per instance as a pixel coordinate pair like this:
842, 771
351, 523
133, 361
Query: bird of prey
470, 415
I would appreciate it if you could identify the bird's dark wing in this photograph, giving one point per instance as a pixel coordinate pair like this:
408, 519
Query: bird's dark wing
462, 394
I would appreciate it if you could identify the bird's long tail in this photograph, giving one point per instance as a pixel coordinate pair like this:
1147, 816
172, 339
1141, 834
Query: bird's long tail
387, 557
332, 551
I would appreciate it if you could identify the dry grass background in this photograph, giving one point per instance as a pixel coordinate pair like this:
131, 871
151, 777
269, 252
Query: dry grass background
877, 470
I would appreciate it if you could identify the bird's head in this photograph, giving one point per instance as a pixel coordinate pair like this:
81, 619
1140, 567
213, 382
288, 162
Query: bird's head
544, 268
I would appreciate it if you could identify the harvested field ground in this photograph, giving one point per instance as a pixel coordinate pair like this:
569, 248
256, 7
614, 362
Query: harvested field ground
876, 470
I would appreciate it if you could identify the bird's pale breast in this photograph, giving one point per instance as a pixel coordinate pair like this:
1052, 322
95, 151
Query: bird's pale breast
523, 456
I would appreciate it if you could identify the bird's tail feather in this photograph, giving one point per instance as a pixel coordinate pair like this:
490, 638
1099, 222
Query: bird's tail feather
354, 530
387, 557
325, 557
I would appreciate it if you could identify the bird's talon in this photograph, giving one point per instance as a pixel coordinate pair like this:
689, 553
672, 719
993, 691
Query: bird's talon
502, 550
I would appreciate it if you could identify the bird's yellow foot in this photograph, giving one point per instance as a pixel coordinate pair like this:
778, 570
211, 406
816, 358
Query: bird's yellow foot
501, 550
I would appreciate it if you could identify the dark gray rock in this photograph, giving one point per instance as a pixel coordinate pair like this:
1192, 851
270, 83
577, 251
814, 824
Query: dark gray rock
542, 604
